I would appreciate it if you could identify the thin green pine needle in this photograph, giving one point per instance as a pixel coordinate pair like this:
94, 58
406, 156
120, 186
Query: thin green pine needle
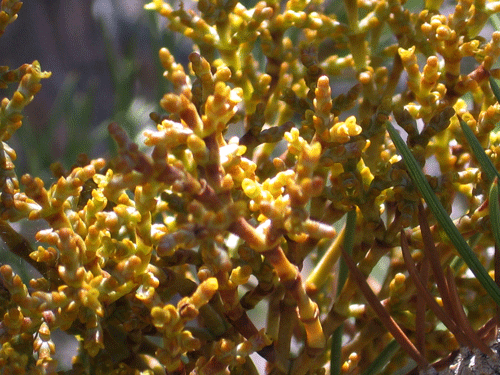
336, 346
442, 216
478, 151
382, 359
495, 211
495, 88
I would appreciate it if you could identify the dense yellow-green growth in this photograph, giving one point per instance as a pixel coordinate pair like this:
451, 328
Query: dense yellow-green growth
154, 259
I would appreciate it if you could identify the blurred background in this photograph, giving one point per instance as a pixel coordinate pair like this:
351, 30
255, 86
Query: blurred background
103, 56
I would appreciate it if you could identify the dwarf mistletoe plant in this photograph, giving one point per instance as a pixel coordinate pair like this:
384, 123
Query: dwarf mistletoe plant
276, 179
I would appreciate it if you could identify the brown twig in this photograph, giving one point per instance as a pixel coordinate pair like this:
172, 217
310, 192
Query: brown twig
421, 307
422, 290
383, 315
462, 321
